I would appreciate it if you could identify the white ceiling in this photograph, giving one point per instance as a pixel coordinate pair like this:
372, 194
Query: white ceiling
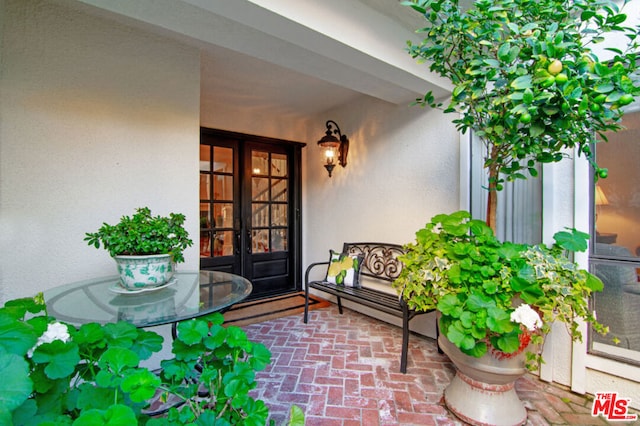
250, 84
298, 57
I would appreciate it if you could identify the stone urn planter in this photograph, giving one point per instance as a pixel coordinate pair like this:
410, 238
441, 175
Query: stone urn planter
482, 391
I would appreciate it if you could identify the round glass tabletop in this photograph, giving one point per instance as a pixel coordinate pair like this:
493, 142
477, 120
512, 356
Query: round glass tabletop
187, 295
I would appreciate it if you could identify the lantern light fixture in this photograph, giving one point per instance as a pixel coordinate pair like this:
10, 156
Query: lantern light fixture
335, 148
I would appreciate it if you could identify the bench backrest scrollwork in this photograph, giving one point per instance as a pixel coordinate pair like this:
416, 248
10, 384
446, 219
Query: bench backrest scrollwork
380, 259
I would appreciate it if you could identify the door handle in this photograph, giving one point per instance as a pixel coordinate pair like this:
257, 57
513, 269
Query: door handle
237, 229
249, 237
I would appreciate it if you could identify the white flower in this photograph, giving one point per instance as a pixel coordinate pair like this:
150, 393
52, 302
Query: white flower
526, 316
55, 331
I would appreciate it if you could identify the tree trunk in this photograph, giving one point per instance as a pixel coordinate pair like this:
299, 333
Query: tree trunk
492, 204
492, 199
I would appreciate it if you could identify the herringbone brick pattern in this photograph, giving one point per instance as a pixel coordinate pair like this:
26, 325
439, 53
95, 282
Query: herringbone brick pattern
343, 370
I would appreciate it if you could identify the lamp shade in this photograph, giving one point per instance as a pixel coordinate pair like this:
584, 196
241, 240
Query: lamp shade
601, 199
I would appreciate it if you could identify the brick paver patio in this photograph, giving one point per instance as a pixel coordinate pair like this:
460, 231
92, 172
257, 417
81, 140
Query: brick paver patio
344, 370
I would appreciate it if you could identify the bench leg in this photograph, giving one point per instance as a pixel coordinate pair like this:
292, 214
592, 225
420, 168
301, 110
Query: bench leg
339, 304
405, 339
306, 303
438, 335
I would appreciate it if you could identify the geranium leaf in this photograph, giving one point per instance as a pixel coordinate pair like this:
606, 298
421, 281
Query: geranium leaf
90, 334
476, 302
192, 332
477, 350
573, 241
260, 356
15, 336
507, 343
61, 358
116, 415
17, 308
141, 385
448, 304
209, 418
147, 344
117, 359
237, 338
499, 321
91, 396
466, 319
216, 337
459, 338
121, 334
186, 352
296, 415
16, 386
593, 283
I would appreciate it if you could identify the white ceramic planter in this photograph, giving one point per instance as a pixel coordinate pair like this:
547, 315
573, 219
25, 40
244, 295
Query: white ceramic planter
138, 272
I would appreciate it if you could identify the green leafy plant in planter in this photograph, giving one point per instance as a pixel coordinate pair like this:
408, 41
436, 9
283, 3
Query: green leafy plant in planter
56, 374
143, 234
144, 247
526, 78
496, 296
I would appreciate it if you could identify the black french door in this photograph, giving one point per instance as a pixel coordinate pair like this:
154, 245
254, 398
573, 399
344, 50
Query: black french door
250, 209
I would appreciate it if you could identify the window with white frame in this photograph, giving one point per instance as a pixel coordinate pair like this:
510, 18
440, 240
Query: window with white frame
519, 215
615, 249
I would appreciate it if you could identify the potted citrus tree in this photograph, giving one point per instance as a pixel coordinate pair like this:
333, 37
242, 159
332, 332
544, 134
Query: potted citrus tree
527, 80
145, 247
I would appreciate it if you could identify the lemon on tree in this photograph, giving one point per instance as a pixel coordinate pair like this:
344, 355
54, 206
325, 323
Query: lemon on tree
555, 67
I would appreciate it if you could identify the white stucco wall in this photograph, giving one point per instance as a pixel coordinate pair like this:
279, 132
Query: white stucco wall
402, 168
96, 119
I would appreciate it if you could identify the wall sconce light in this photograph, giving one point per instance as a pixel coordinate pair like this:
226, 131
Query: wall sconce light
335, 148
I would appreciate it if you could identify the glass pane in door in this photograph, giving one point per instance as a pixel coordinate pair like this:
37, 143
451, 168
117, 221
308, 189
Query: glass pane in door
279, 240
260, 241
260, 189
222, 159
260, 163
260, 216
279, 215
216, 201
279, 190
278, 165
223, 187
269, 201
223, 243
205, 158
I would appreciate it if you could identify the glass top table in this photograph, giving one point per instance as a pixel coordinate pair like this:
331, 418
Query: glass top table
187, 295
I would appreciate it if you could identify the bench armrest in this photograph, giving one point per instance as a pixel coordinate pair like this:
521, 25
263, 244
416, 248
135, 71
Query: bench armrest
309, 268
